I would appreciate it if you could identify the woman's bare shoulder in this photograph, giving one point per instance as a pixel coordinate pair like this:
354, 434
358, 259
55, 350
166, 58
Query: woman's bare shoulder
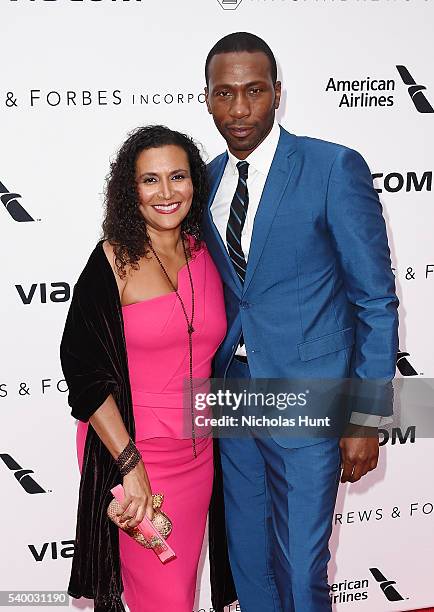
110, 254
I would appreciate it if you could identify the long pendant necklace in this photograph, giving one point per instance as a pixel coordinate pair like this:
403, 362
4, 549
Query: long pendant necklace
190, 330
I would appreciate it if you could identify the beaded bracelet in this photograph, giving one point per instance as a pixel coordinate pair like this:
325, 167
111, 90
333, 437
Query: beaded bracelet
128, 458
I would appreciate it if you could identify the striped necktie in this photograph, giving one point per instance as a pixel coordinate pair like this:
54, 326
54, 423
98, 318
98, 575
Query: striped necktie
237, 218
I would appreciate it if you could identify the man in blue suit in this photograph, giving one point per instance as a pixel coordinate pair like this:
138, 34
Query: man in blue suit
296, 230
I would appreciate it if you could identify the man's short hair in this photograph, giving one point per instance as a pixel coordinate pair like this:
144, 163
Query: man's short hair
237, 42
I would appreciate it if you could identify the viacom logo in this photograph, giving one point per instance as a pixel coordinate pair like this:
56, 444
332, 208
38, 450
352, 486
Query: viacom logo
43, 292
229, 5
53, 550
14, 208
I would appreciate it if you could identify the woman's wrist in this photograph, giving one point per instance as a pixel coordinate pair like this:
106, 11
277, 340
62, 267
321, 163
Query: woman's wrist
128, 458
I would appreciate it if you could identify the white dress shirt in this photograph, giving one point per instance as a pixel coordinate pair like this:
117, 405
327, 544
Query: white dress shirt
259, 165
260, 161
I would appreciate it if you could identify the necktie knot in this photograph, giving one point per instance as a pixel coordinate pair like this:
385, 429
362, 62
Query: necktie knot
243, 169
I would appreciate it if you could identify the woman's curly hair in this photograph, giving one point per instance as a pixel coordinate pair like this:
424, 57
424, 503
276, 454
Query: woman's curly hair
124, 225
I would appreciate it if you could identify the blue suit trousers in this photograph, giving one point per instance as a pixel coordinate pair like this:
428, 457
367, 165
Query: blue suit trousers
279, 505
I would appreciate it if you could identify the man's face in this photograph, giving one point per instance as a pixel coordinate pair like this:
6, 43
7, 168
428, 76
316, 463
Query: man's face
242, 99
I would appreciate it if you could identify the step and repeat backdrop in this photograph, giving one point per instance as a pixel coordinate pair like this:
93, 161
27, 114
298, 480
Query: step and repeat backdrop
76, 76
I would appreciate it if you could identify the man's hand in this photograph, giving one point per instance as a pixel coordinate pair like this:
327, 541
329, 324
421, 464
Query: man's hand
359, 452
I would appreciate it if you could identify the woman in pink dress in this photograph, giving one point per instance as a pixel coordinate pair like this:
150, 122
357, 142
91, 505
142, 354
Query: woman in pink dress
174, 320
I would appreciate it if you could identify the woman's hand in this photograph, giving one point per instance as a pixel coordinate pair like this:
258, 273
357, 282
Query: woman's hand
138, 497
109, 426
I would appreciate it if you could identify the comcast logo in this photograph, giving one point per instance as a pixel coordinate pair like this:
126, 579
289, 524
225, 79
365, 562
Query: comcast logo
229, 5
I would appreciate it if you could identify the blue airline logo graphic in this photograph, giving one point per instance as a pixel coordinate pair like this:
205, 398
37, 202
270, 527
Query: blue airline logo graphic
415, 91
14, 208
386, 586
22, 475
404, 366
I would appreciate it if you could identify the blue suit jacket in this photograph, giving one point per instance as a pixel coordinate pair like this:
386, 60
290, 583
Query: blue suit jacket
319, 295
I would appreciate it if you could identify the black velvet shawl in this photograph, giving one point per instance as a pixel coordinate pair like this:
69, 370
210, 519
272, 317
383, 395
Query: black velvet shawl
94, 362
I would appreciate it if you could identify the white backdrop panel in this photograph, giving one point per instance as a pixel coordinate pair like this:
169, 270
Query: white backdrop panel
141, 62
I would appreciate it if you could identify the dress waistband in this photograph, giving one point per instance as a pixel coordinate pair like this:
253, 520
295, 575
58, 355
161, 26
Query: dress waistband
167, 399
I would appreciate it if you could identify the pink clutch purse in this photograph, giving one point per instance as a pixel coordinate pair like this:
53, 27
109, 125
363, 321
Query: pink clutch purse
150, 534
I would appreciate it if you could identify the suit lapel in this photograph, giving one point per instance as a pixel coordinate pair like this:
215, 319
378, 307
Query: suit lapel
215, 245
275, 185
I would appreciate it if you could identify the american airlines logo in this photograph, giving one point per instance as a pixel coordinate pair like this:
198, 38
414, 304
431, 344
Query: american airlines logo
22, 475
404, 366
415, 91
386, 586
14, 208
229, 5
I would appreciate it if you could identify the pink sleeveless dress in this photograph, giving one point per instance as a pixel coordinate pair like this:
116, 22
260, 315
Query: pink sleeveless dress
158, 361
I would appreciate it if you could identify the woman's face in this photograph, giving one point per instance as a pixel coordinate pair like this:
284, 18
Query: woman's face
164, 186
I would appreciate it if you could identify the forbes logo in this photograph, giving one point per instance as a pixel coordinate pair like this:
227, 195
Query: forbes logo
14, 208
229, 5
